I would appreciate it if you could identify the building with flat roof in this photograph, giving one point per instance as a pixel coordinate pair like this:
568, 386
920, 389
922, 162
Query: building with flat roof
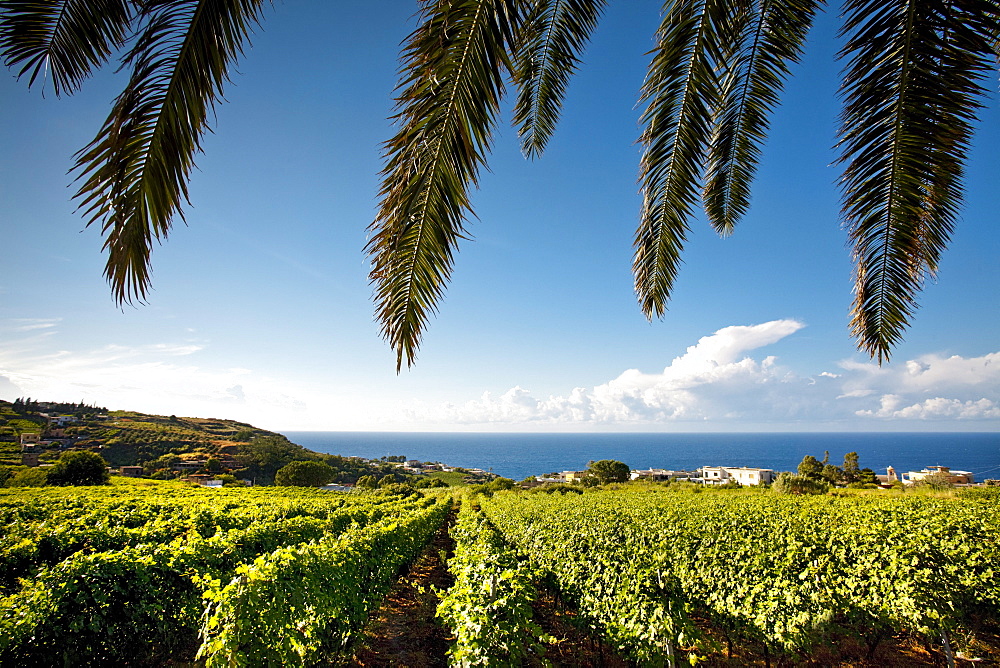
953, 477
744, 475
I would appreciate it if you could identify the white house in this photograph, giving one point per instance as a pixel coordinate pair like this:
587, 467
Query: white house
744, 475
661, 474
953, 477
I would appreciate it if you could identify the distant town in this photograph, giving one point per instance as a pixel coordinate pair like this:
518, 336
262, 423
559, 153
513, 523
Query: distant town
748, 476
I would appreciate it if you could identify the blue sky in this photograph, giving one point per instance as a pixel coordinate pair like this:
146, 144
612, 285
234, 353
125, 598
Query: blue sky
261, 307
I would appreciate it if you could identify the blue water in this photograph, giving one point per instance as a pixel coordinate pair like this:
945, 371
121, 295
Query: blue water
520, 455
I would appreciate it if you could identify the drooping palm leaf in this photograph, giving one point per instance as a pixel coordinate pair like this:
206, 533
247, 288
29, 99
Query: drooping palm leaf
135, 172
681, 91
765, 37
66, 39
552, 35
912, 89
453, 67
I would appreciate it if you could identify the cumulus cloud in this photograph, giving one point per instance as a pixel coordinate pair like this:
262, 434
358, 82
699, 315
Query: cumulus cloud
930, 387
726, 380
895, 406
713, 379
719, 381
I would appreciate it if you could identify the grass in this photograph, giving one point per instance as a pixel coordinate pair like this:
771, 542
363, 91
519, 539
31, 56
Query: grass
453, 478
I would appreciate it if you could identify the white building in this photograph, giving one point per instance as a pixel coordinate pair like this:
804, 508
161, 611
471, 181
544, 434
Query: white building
744, 475
661, 474
953, 477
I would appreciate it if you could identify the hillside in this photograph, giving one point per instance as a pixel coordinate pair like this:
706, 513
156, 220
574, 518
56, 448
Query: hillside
165, 446
121, 437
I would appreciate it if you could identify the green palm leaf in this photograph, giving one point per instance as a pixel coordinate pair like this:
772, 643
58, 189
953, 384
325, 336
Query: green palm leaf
66, 39
135, 172
912, 89
447, 103
681, 91
764, 38
551, 37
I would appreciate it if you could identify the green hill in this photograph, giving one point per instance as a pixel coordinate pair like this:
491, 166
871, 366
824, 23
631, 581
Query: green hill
121, 437
165, 446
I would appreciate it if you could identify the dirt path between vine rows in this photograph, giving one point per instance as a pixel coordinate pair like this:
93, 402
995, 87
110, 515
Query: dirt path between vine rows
404, 632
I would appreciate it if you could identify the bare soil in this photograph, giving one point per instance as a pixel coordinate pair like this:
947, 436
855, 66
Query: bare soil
404, 633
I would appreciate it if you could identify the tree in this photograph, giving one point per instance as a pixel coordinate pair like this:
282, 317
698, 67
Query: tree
304, 474
851, 472
367, 482
810, 467
867, 476
609, 470
791, 483
79, 467
832, 474
912, 87
264, 455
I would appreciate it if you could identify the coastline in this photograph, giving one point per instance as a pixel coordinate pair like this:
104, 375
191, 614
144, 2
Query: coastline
517, 455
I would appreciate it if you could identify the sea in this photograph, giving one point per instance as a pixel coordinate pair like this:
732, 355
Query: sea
518, 455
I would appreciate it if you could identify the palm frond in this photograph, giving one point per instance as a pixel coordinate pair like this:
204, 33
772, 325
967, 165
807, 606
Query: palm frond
453, 67
681, 91
135, 172
546, 57
912, 89
764, 38
66, 39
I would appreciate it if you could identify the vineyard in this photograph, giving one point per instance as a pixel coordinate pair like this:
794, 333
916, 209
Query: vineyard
789, 575
165, 574
133, 575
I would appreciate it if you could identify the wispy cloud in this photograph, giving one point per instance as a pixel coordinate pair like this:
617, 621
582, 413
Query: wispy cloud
169, 378
29, 324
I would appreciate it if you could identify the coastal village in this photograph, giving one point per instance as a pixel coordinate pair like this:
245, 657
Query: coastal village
199, 470
748, 476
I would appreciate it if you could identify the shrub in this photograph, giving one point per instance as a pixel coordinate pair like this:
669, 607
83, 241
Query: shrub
304, 474
29, 478
936, 481
79, 467
558, 488
794, 483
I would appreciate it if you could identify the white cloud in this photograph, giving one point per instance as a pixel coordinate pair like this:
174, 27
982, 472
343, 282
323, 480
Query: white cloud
713, 379
31, 324
893, 406
167, 378
718, 382
721, 382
